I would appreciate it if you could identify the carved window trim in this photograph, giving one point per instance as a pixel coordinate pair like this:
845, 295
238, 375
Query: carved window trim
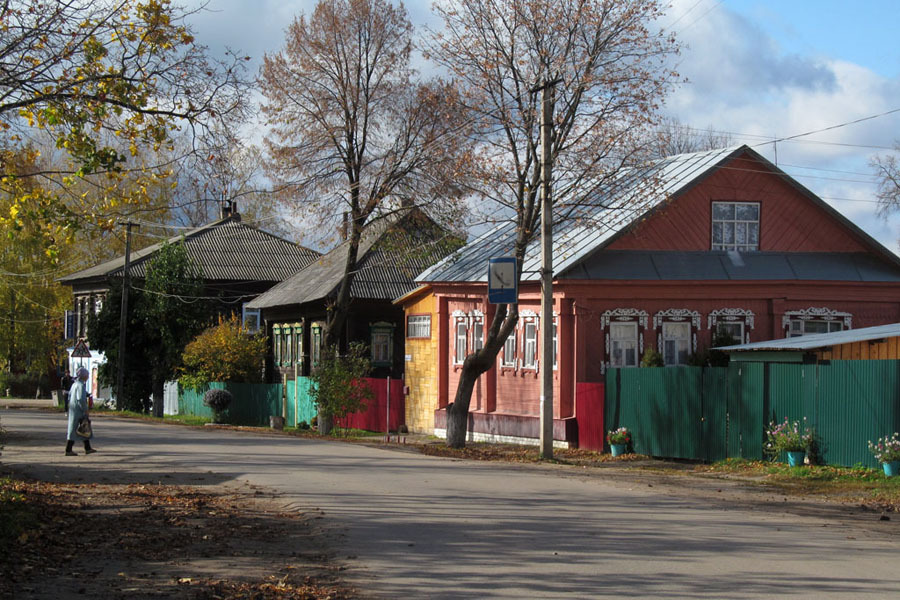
623, 315
813, 313
732, 315
676, 315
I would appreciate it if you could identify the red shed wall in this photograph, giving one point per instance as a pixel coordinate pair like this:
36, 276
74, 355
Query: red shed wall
789, 221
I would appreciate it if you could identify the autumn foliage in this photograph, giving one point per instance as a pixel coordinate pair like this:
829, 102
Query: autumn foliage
224, 352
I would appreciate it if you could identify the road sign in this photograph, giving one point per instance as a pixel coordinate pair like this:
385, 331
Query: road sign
503, 285
81, 350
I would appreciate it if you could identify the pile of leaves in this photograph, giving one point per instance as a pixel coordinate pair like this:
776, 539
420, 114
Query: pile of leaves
154, 540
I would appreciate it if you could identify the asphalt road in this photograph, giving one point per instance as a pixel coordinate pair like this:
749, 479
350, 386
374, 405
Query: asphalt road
410, 526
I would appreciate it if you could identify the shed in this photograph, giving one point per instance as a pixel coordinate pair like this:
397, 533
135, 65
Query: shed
881, 342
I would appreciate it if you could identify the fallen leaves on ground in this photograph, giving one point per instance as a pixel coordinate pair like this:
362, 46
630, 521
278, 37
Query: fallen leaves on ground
148, 540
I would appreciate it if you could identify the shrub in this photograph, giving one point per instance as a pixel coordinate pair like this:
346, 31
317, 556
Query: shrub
339, 388
224, 352
652, 358
218, 401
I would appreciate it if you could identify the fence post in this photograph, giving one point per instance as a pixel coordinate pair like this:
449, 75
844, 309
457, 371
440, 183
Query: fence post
387, 424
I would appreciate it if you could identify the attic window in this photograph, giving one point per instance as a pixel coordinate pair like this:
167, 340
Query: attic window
735, 226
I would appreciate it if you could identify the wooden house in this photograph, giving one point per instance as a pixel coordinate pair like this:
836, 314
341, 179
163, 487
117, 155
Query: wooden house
677, 250
393, 250
237, 261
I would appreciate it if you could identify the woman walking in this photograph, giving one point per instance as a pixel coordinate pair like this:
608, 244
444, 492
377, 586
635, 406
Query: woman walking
78, 410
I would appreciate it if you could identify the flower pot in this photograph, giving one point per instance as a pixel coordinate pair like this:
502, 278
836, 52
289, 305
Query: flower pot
617, 449
891, 469
795, 458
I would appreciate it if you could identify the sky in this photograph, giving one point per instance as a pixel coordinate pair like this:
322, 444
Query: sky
760, 70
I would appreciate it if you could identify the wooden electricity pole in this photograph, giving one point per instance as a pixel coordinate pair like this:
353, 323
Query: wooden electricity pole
546, 436
123, 319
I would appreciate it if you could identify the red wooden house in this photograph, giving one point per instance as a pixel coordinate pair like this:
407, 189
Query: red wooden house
720, 240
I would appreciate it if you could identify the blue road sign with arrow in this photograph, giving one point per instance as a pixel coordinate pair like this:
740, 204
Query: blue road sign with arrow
503, 285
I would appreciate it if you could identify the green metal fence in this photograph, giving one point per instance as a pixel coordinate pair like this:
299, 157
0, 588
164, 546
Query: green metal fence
713, 413
300, 405
253, 403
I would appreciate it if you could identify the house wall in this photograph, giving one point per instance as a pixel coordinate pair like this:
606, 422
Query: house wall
789, 221
885, 349
421, 370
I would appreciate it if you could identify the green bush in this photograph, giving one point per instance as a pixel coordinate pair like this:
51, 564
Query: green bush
338, 385
652, 358
224, 352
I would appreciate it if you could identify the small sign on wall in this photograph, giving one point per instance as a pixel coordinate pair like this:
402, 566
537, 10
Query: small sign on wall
409, 358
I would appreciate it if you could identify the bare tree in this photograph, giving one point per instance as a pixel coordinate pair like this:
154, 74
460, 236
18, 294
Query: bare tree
887, 169
352, 132
611, 79
674, 137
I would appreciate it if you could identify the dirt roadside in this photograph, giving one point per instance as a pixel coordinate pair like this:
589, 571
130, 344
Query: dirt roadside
142, 541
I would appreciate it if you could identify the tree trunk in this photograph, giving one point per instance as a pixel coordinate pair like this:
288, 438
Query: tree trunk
158, 387
326, 424
458, 410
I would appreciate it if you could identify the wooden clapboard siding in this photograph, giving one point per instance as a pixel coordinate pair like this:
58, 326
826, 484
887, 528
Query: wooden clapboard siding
789, 221
886, 349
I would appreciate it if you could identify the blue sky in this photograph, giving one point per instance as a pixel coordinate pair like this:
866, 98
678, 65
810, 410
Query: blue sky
758, 69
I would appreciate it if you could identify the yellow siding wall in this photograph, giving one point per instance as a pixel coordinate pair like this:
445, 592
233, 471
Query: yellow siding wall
421, 371
886, 349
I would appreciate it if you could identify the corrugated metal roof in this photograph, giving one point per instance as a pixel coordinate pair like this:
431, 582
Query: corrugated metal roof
386, 265
605, 214
634, 195
226, 250
647, 265
820, 340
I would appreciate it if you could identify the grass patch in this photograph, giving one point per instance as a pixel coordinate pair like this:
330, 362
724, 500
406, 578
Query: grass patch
178, 419
852, 484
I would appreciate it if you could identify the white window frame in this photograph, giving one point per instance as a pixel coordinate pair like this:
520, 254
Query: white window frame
509, 351
616, 340
735, 225
667, 326
418, 327
477, 335
529, 345
316, 343
461, 341
249, 313
555, 341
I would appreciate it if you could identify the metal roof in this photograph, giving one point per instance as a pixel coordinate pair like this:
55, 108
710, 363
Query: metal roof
601, 218
225, 250
820, 340
390, 256
644, 265
633, 196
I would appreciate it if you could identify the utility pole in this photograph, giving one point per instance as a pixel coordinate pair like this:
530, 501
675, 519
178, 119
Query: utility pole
546, 437
123, 319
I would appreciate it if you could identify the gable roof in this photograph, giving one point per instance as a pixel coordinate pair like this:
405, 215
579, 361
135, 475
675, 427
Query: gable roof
225, 250
390, 256
635, 195
820, 340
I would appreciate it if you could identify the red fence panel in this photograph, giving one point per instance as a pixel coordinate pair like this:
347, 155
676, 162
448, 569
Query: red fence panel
589, 411
373, 417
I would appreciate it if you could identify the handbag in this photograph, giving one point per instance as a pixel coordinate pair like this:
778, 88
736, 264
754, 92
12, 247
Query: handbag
84, 428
